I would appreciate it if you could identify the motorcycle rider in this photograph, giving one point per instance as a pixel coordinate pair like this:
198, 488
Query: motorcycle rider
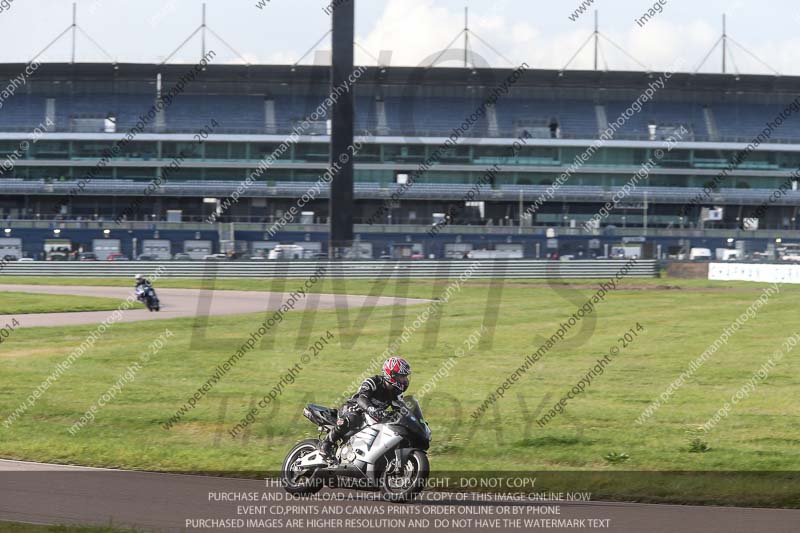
141, 284
373, 397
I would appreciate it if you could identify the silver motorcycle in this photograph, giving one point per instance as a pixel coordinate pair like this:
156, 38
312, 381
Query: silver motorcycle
387, 455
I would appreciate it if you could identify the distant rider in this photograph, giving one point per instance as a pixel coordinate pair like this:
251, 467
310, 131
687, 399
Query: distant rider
373, 397
141, 284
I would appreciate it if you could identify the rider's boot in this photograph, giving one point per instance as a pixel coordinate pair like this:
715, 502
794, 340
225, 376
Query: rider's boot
328, 445
327, 448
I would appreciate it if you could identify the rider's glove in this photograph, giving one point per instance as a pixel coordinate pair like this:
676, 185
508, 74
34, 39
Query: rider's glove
376, 413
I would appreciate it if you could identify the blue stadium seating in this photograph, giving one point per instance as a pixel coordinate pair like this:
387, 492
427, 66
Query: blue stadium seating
434, 116
233, 113
22, 113
574, 118
126, 109
662, 114
748, 120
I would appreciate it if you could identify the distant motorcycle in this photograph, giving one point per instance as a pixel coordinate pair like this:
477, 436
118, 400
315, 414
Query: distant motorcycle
387, 454
147, 294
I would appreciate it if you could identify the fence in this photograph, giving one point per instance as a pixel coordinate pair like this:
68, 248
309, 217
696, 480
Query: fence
490, 268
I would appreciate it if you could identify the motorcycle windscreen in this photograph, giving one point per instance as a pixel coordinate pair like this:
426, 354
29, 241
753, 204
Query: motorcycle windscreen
413, 407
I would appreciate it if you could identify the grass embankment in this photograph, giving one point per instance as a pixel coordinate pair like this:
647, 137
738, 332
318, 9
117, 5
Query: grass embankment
680, 320
18, 303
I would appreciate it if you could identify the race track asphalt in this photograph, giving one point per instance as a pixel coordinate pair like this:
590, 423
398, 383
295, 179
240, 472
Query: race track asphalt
52, 494
177, 303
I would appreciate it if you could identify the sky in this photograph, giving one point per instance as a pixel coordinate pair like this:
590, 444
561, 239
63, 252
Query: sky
538, 32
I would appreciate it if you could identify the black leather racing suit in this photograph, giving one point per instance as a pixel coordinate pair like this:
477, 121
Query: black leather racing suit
373, 396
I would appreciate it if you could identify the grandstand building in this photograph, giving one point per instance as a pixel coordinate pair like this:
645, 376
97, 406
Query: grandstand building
717, 156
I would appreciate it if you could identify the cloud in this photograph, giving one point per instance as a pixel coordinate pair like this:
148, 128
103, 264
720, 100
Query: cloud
417, 31
539, 33
412, 30
523, 33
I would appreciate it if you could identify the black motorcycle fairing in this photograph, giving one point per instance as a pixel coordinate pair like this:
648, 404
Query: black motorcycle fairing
412, 430
411, 438
322, 416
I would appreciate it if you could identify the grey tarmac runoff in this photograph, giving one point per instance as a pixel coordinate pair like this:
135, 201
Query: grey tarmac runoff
177, 303
163, 502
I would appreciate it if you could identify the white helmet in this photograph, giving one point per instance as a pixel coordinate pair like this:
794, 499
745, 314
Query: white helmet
137, 277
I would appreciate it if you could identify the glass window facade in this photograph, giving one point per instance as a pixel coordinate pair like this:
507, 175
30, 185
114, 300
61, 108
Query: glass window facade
385, 160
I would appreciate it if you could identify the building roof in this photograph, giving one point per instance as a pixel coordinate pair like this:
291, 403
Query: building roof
242, 78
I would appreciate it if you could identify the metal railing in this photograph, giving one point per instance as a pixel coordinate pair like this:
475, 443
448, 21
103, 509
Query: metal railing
416, 229
485, 269
438, 130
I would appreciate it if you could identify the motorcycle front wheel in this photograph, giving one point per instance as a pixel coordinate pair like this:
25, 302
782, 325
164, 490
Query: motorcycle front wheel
297, 481
405, 485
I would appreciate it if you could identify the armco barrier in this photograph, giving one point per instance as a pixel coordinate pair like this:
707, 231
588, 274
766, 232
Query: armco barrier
488, 268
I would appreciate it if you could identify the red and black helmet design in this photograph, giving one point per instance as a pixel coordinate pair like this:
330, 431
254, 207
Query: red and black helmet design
396, 371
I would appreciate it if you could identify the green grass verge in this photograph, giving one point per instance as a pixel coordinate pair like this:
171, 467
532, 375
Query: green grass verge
17, 303
680, 318
421, 288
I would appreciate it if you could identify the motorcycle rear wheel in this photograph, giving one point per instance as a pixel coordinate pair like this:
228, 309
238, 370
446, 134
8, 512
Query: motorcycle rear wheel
291, 483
